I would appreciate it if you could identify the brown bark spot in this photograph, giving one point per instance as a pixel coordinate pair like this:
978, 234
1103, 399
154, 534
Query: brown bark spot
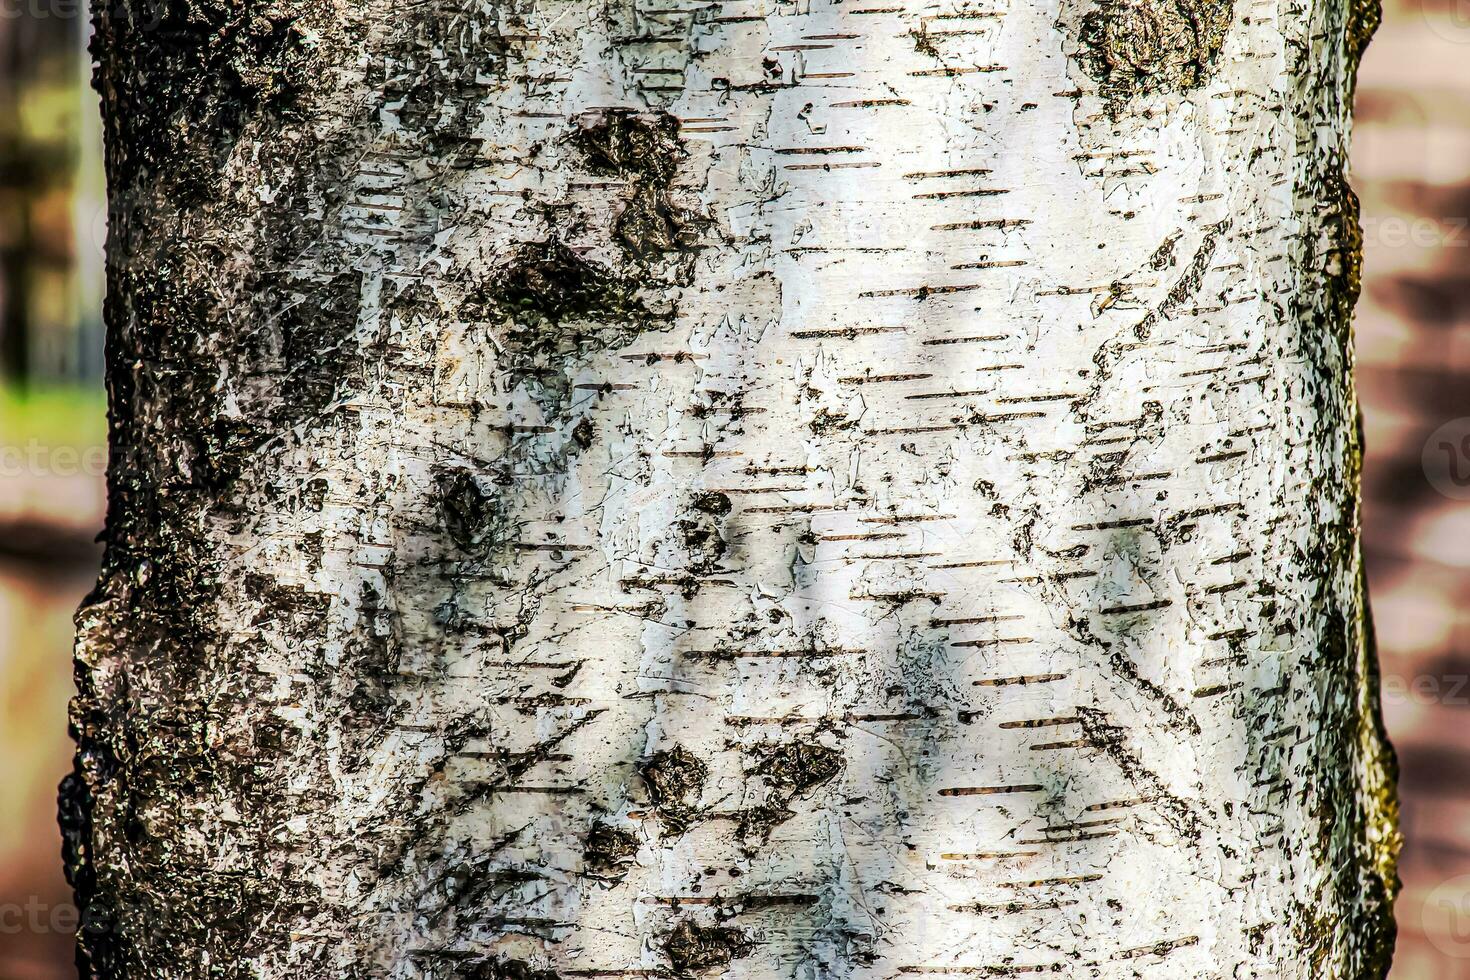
692, 947
1135, 47
608, 847
475, 513
673, 776
800, 766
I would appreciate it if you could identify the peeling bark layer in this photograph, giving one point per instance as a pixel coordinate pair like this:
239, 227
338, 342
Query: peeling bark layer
815, 490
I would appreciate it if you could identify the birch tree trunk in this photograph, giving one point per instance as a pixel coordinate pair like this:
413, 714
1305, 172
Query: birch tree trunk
815, 489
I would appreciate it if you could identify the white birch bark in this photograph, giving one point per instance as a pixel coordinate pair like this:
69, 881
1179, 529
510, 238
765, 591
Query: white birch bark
813, 489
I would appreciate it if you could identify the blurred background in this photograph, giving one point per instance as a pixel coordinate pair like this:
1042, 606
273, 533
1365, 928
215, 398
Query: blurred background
52, 456
1411, 169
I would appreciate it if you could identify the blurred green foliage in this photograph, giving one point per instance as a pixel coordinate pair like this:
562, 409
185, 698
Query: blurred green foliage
53, 415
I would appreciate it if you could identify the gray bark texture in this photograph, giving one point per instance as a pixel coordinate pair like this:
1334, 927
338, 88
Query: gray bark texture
763, 489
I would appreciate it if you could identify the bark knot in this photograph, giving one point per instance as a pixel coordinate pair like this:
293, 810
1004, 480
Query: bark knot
608, 847
1138, 47
692, 947
674, 776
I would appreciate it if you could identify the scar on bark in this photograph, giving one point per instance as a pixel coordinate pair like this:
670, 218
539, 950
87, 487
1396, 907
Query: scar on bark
692, 948
475, 512
674, 778
645, 148
499, 968
1138, 47
791, 771
608, 848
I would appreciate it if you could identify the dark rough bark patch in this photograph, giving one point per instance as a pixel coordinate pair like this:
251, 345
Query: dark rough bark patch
547, 285
143, 767
692, 948
435, 74
225, 62
674, 776
500, 968
713, 503
645, 148
790, 771
203, 284
1378, 875
1338, 258
223, 449
146, 761
703, 541
674, 779
1360, 894
373, 660
756, 823
626, 142
799, 767
562, 309
583, 433
560, 304
316, 343
476, 514
608, 847
1138, 47
701, 531
1363, 20
651, 225
1353, 790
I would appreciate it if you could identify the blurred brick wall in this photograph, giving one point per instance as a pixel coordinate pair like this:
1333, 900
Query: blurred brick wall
1411, 167
36, 603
